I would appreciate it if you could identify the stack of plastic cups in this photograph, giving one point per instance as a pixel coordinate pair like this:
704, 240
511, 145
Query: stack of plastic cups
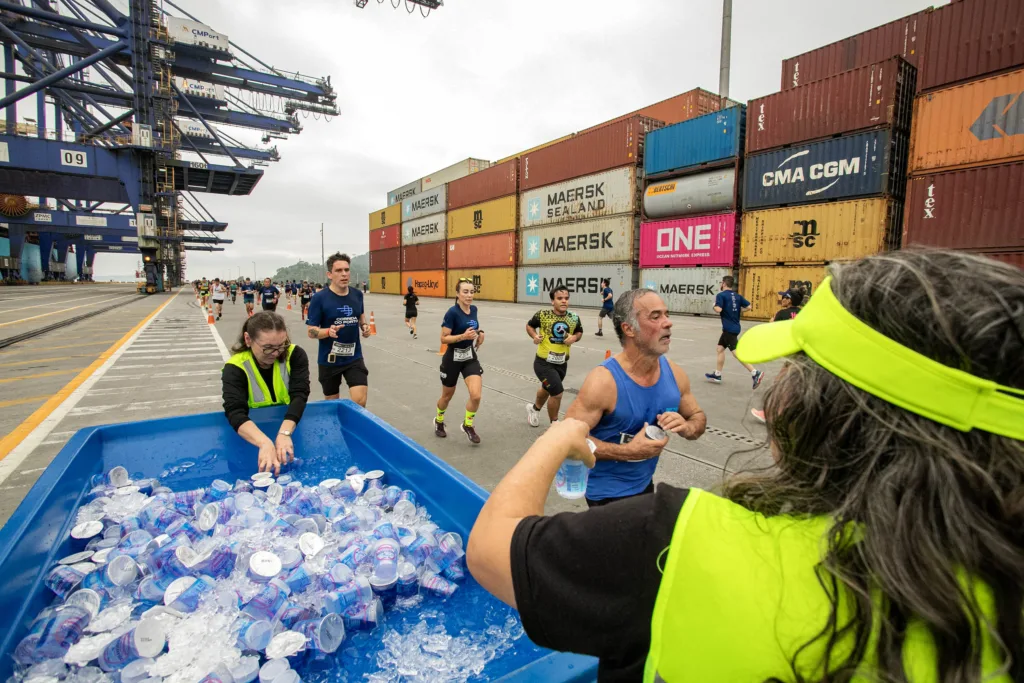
356, 592
147, 639
269, 602
385, 569
52, 634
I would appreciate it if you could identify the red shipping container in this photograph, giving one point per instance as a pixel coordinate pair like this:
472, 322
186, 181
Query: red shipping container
490, 183
385, 238
386, 261
486, 251
683, 107
978, 209
876, 96
971, 39
904, 38
618, 144
429, 256
1014, 258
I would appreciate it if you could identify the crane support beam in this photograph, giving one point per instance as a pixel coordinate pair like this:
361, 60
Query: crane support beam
245, 79
207, 146
208, 226
72, 222
61, 19
60, 75
243, 119
198, 239
52, 168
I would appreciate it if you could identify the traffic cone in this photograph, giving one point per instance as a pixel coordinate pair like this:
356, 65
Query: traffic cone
373, 325
607, 354
444, 347
289, 305
209, 315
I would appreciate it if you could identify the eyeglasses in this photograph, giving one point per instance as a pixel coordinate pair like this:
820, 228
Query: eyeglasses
266, 348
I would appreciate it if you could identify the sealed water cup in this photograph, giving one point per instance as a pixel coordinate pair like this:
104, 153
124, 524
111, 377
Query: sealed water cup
438, 585
118, 476
268, 603
62, 580
290, 558
188, 600
87, 599
324, 635
82, 533
356, 592
385, 558
263, 566
254, 634
408, 580
272, 669
52, 634
145, 640
293, 614
363, 616
310, 544
655, 433
385, 589
76, 557
298, 579
391, 496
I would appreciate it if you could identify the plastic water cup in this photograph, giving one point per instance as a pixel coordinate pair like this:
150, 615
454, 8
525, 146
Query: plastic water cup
329, 484
352, 556
385, 530
255, 516
62, 580
245, 671
375, 475
262, 475
285, 644
404, 511
353, 470
263, 566
310, 542
340, 574
118, 476
438, 585
298, 579
571, 478
272, 669
408, 581
121, 570
323, 635
269, 602
185, 501
82, 533
87, 599
149, 591
377, 484
385, 589
391, 496
373, 497
219, 490
253, 634
244, 500
346, 490
136, 671
130, 524
364, 616
52, 634
160, 519
261, 484
293, 614
455, 571
75, 558
358, 591
219, 563
274, 493
221, 674
385, 558
188, 600
289, 676
290, 558
145, 640
320, 520
290, 491
176, 588
420, 549
449, 541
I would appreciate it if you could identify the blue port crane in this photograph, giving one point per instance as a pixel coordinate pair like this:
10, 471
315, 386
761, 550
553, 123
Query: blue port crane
113, 115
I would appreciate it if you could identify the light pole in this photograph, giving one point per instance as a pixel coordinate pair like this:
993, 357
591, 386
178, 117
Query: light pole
723, 74
323, 259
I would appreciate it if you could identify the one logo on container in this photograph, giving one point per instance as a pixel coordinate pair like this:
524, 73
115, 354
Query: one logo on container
789, 172
684, 239
532, 247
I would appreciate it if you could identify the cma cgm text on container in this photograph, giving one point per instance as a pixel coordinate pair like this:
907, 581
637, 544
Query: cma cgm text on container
684, 242
711, 139
602, 194
860, 165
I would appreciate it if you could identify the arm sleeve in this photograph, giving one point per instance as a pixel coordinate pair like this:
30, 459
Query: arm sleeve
743, 302
720, 299
781, 315
235, 392
534, 321
298, 384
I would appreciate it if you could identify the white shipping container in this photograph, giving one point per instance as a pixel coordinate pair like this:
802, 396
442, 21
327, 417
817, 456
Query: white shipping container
423, 230
584, 282
602, 240
194, 88
425, 203
693, 195
192, 128
453, 172
194, 33
686, 290
404, 192
593, 196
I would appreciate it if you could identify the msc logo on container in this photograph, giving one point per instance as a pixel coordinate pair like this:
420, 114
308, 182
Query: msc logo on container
796, 174
807, 235
478, 219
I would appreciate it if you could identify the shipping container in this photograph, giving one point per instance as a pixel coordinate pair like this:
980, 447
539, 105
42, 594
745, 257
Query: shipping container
686, 290
423, 230
391, 215
701, 195
858, 165
534, 149
816, 233
620, 144
1014, 258
977, 208
398, 195
584, 282
602, 240
981, 122
487, 251
386, 261
876, 96
712, 139
686, 242
430, 256
497, 181
971, 39
425, 203
688, 105
457, 170
189, 32
906, 38
593, 196
386, 238
497, 215
386, 283
425, 283
760, 285
492, 284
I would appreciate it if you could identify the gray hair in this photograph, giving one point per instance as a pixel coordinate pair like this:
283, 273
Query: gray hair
625, 311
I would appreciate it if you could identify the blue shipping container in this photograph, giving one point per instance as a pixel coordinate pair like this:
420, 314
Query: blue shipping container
695, 143
861, 165
188, 452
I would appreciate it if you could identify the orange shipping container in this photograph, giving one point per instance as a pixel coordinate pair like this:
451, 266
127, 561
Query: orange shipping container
424, 282
488, 251
981, 122
392, 215
385, 238
683, 107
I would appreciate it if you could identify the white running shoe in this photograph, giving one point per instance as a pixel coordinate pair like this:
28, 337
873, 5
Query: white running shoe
532, 416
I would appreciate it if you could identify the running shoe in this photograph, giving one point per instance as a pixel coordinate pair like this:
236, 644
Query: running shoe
758, 376
415, 336
713, 377
410, 331
532, 415
470, 433
758, 415
439, 429
599, 333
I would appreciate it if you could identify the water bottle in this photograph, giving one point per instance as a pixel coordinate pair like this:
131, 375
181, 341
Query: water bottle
571, 479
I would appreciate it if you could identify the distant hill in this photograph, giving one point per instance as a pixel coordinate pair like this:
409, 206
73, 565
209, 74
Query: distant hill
315, 272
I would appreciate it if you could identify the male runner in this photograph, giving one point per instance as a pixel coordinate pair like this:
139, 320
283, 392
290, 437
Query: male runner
553, 331
336, 318
460, 330
234, 291
607, 304
269, 295
305, 296
220, 292
204, 291
248, 296
729, 305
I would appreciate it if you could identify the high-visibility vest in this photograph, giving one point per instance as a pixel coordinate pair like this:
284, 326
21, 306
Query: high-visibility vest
741, 593
259, 394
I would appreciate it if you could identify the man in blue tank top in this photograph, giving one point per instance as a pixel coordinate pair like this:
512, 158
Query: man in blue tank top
636, 389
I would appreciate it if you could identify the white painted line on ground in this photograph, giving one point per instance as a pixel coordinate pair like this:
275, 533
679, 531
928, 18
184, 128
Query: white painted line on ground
151, 366
220, 342
107, 391
151, 349
142, 405
196, 373
187, 355
56, 302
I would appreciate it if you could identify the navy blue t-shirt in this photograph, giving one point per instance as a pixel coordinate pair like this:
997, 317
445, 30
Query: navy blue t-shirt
267, 294
608, 304
327, 309
458, 322
248, 290
731, 304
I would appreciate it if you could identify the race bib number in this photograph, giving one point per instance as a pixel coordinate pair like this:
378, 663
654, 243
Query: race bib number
556, 358
462, 355
339, 349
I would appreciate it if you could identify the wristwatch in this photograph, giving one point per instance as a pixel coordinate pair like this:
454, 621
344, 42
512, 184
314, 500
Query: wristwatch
285, 432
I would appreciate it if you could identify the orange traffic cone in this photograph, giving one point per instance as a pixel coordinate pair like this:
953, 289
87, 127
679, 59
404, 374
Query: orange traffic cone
373, 325
289, 305
607, 354
209, 315
444, 347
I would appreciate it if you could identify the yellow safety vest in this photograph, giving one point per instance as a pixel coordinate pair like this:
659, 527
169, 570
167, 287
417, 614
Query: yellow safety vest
259, 394
740, 596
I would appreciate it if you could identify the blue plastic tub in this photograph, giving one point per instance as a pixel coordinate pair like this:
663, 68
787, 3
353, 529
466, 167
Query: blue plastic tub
187, 452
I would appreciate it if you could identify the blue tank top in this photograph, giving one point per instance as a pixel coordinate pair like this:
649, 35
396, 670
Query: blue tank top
634, 405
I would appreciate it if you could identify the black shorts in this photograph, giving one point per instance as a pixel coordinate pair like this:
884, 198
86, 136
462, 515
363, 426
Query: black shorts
550, 375
605, 313
330, 376
729, 340
450, 370
410, 313
269, 307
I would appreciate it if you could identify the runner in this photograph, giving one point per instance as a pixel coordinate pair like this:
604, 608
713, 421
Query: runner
305, 296
248, 296
269, 295
336, 318
729, 305
366, 286
204, 291
553, 331
460, 330
410, 311
607, 305
234, 291
220, 292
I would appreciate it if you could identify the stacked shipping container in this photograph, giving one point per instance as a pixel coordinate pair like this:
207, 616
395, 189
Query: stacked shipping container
423, 255
385, 248
690, 204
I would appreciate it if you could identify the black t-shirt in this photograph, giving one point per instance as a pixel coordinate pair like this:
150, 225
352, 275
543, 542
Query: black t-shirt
586, 582
410, 302
786, 314
306, 293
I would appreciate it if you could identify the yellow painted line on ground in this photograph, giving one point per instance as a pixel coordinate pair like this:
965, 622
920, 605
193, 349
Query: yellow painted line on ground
40, 375
44, 360
64, 310
11, 441
21, 401
57, 348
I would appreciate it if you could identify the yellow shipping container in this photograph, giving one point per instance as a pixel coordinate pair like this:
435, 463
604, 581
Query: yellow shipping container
534, 149
392, 215
386, 283
816, 233
497, 215
760, 285
492, 284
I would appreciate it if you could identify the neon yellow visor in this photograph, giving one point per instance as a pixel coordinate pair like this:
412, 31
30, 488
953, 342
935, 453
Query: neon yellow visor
849, 348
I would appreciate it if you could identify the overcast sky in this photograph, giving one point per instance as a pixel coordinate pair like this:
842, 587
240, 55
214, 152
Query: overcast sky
477, 78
